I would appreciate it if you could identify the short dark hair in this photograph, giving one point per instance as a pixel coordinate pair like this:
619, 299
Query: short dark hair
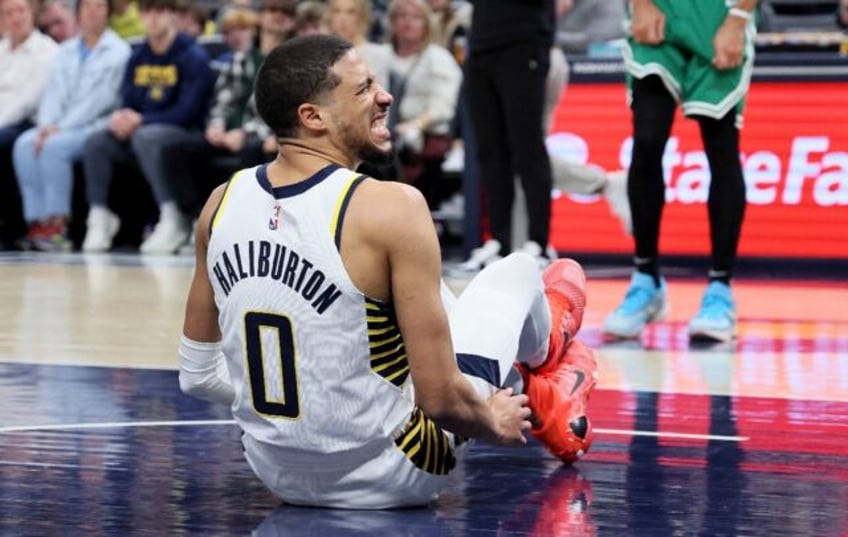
296, 72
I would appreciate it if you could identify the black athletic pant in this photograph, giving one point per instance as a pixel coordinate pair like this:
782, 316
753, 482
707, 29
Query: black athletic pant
196, 167
12, 225
506, 95
653, 114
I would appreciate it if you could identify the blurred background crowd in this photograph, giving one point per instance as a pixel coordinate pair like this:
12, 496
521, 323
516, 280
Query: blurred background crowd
117, 118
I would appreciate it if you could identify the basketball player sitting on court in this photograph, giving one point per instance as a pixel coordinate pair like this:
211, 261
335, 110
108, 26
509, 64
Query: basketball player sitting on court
317, 311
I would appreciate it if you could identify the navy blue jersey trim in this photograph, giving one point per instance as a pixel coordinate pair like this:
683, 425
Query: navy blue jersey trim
287, 191
343, 210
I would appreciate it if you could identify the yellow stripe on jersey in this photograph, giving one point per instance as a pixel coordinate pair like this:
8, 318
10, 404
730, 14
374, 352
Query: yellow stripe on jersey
387, 351
379, 332
426, 445
395, 351
225, 198
341, 205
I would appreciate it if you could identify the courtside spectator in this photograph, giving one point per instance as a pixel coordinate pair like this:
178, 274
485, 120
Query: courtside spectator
125, 19
233, 127
58, 20
425, 82
280, 14
25, 56
192, 19
351, 20
238, 28
83, 89
588, 22
166, 91
451, 22
311, 18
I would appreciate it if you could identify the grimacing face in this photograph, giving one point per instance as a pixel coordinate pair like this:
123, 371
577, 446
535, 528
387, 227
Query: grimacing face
359, 110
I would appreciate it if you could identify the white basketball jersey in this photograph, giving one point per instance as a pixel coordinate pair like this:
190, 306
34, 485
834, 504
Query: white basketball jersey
319, 369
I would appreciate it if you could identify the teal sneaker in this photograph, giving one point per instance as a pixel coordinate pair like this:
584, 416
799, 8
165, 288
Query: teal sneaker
716, 321
644, 303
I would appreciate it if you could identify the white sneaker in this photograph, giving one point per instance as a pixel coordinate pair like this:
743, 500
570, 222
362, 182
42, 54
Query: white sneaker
451, 209
102, 225
615, 193
167, 237
454, 161
534, 250
482, 256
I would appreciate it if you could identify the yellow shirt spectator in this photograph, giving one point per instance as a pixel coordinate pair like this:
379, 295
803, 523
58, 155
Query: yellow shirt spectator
125, 20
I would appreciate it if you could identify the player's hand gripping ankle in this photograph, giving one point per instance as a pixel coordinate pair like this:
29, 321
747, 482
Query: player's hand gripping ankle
511, 418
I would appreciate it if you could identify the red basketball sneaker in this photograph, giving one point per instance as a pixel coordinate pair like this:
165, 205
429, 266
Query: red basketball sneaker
559, 389
565, 288
558, 398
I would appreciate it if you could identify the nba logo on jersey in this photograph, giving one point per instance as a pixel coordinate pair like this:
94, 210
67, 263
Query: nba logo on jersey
274, 221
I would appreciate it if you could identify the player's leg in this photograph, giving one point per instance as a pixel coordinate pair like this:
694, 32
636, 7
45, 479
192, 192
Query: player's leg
716, 99
716, 319
521, 77
500, 317
508, 313
493, 153
653, 114
656, 74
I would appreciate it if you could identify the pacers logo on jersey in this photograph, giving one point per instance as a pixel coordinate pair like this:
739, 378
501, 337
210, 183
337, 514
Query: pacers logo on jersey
274, 221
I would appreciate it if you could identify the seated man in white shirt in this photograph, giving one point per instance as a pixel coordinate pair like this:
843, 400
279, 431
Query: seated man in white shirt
25, 55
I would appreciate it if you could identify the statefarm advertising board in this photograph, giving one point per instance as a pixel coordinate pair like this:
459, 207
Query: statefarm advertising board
794, 152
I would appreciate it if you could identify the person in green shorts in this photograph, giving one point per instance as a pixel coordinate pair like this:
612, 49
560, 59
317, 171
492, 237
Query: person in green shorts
698, 54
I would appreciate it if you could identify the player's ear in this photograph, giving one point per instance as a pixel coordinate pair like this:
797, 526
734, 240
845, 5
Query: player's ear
311, 116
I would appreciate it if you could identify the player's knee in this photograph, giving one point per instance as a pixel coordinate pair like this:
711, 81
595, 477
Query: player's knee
522, 263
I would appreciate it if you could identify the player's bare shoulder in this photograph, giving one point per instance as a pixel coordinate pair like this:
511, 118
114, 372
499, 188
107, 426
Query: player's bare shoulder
208, 212
389, 206
382, 221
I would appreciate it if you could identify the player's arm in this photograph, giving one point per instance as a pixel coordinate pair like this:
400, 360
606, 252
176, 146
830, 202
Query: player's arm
729, 40
203, 371
441, 390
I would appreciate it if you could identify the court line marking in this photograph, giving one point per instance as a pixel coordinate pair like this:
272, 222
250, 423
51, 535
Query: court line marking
57, 465
112, 425
687, 436
190, 423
